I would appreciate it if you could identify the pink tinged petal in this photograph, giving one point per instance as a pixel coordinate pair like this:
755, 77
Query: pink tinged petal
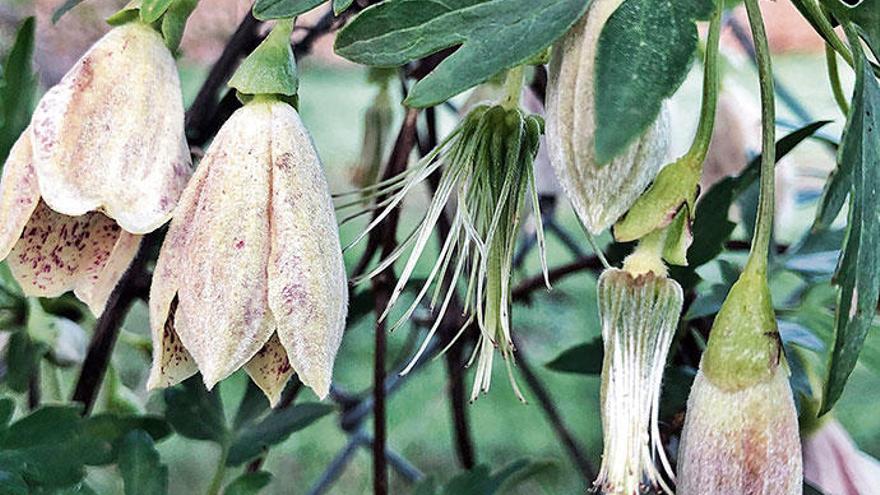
110, 136
172, 363
57, 253
223, 317
270, 369
308, 290
19, 194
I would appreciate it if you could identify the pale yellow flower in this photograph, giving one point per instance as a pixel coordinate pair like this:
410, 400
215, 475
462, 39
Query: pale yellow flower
251, 272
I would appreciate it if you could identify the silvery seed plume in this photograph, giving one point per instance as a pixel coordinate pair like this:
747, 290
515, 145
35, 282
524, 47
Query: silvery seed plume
639, 314
599, 193
251, 272
486, 168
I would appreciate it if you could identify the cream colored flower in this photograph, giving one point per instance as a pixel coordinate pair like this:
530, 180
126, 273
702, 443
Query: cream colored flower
49, 253
109, 137
251, 272
105, 158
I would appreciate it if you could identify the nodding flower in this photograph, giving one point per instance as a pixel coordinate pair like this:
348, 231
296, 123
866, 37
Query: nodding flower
486, 177
251, 272
103, 161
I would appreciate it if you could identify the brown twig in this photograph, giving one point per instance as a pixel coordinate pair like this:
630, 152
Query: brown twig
107, 329
524, 290
385, 236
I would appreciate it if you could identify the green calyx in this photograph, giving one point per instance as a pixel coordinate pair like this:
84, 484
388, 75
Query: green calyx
675, 188
744, 346
166, 16
270, 69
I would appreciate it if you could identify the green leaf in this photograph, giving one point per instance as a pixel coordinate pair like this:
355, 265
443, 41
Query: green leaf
23, 356
858, 274
12, 483
252, 405
194, 412
712, 227
18, 87
270, 69
645, 51
478, 481
582, 359
105, 431
7, 409
340, 6
491, 36
866, 15
428, 486
266, 10
66, 7
152, 10
174, 22
142, 471
273, 429
249, 484
45, 448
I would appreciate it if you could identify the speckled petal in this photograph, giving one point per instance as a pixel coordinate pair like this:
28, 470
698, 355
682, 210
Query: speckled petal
19, 194
308, 291
270, 369
57, 253
172, 363
223, 317
110, 137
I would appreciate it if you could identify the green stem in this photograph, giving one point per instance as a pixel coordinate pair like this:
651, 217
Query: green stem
702, 140
834, 78
220, 473
764, 224
513, 85
816, 16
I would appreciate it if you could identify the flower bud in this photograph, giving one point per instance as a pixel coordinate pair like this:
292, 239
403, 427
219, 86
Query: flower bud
639, 315
109, 137
599, 193
251, 272
742, 441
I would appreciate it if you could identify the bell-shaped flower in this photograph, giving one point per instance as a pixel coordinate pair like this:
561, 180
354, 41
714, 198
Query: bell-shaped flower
49, 253
104, 160
251, 272
834, 464
109, 137
741, 429
741, 441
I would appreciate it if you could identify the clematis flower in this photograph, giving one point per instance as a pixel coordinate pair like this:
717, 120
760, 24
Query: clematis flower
741, 441
104, 160
251, 272
834, 463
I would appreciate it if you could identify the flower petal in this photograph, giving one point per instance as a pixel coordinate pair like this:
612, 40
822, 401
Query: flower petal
19, 194
223, 317
308, 290
172, 363
110, 135
57, 253
270, 369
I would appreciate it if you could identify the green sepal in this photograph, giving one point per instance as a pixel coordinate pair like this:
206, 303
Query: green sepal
676, 185
744, 346
126, 14
270, 69
174, 22
152, 10
678, 238
246, 98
